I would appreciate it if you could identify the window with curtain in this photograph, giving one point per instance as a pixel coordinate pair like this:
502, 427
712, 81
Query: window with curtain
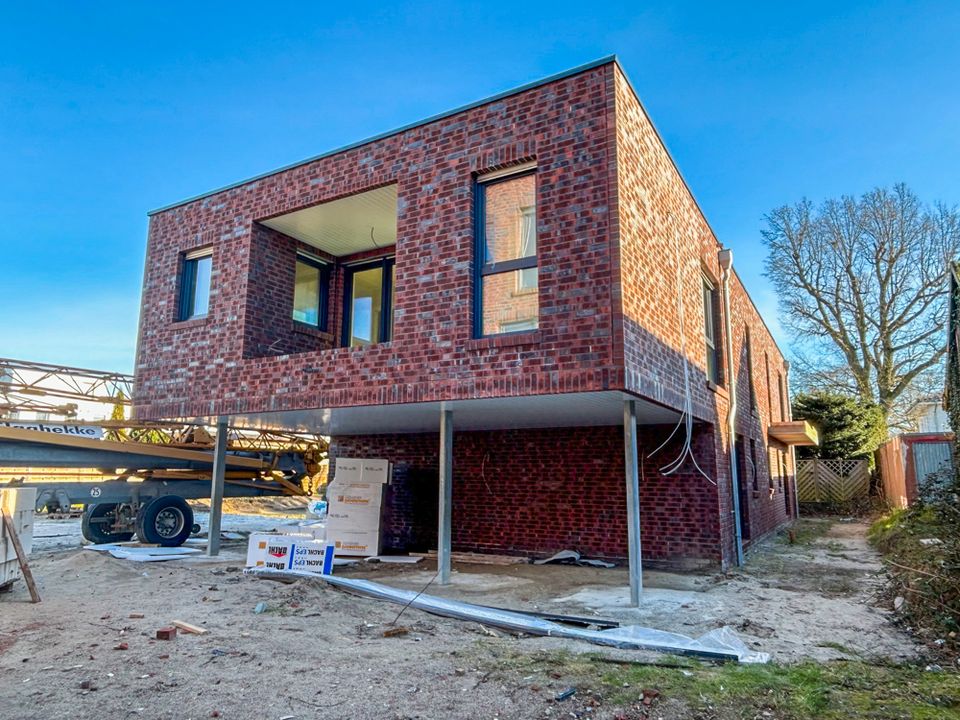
507, 282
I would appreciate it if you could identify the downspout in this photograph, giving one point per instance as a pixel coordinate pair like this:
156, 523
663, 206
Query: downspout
793, 448
725, 257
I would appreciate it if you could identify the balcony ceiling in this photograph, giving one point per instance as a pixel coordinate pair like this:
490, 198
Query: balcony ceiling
343, 227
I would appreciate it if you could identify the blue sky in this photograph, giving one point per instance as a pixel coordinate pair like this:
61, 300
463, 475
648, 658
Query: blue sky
110, 110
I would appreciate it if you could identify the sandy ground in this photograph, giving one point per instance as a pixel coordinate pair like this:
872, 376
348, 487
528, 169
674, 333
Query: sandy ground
317, 652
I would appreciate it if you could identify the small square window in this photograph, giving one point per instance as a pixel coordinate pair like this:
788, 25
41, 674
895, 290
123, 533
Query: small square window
195, 285
311, 291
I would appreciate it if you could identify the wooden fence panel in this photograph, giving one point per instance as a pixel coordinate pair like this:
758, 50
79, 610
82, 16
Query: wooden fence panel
831, 480
893, 473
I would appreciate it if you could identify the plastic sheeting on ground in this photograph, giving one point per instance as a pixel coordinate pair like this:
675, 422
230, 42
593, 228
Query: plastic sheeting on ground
138, 553
720, 644
574, 557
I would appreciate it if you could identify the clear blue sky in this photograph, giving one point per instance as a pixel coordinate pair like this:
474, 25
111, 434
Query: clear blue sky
110, 110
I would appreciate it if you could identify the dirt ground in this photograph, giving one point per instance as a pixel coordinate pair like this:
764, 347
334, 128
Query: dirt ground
319, 653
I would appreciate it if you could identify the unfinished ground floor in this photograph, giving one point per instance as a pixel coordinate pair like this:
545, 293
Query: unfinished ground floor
536, 491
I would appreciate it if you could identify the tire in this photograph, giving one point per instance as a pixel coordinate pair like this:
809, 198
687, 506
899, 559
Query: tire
165, 521
96, 521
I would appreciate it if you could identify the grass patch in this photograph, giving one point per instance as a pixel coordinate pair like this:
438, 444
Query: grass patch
831, 690
836, 690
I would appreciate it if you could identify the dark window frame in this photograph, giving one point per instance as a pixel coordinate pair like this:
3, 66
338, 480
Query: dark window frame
751, 389
323, 292
188, 283
482, 268
709, 287
385, 327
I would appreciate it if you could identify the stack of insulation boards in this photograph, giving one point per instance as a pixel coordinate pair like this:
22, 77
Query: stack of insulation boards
18, 502
355, 505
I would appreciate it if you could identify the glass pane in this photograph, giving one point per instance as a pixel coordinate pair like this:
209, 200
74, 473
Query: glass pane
527, 280
708, 328
506, 310
510, 219
365, 307
306, 294
201, 286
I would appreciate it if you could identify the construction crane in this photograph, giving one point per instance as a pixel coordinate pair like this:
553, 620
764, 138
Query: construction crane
135, 476
36, 387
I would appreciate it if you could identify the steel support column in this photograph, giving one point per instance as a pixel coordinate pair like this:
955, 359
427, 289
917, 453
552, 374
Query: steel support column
446, 495
216, 487
632, 473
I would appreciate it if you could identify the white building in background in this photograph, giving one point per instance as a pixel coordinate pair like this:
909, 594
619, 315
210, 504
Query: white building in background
929, 416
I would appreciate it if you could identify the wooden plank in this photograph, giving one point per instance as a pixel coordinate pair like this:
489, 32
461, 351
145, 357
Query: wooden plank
135, 448
21, 556
188, 628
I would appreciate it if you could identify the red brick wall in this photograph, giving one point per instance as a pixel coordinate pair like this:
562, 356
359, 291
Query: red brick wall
534, 492
661, 230
210, 367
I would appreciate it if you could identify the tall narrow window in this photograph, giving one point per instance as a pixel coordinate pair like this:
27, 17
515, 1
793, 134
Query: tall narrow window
781, 389
310, 292
753, 463
751, 390
507, 282
195, 285
710, 333
368, 310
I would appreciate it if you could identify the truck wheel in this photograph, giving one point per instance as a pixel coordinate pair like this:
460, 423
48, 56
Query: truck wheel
165, 521
97, 523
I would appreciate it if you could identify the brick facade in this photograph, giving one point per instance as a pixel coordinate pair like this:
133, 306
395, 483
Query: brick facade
614, 222
539, 491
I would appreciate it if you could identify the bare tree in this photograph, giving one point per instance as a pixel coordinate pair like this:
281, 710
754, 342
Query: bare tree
861, 283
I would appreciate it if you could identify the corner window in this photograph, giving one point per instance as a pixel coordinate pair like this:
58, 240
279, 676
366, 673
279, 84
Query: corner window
710, 333
195, 285
368, 306
310, 292
507, 283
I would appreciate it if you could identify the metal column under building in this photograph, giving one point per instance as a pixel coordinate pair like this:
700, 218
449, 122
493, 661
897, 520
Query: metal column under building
631, 468
216, 487
446, 495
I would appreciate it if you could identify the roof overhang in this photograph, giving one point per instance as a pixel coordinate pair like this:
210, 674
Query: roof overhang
796, 432
509, 413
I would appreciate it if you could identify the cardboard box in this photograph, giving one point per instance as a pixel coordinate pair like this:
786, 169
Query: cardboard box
356, 498
375, 471
349, 471
289, 552
355, 543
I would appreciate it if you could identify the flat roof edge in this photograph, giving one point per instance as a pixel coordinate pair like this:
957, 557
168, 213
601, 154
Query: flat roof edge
396, 131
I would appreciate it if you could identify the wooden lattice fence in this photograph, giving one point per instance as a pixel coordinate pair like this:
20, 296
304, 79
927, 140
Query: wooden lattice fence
832, 481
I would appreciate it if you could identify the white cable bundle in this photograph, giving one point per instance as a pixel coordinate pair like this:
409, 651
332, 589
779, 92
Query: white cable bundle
686, 416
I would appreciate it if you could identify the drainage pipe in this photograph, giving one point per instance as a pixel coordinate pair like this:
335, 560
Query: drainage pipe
725, 257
